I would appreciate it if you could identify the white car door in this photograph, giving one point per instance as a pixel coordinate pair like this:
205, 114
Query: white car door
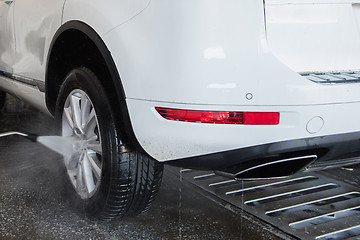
36, 22
7, 41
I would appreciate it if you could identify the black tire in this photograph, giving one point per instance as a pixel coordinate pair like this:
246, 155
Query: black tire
2, 99
129, 179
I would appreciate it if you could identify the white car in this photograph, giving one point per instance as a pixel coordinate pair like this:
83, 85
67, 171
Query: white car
247, 88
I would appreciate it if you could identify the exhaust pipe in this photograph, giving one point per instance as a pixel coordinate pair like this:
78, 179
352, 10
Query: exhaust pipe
275, 169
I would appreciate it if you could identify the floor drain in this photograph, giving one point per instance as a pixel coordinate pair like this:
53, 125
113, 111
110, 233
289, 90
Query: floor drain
310, 206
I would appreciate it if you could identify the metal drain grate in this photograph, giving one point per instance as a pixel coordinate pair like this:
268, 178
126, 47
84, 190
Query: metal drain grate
333, 77
304, 206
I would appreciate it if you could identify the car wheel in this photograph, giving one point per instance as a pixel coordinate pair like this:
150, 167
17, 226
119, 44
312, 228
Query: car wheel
2, 99
106, 178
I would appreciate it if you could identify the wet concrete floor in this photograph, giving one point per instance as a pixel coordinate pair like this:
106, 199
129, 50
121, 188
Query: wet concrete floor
33, 204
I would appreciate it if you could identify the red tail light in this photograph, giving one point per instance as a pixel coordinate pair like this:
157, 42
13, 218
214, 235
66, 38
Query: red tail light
220, 117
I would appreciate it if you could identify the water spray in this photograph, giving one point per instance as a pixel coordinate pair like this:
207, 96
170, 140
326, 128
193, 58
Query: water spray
62, 145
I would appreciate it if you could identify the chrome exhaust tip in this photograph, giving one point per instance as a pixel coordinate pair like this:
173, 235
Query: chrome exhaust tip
274, 169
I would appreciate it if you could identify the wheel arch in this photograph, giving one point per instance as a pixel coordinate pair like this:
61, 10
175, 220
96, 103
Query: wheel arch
76, 44
64, 55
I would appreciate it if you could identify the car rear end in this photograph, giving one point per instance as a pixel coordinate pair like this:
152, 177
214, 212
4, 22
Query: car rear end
200, 77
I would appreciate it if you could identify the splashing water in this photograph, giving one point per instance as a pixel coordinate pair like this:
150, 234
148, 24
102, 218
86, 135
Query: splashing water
65, 146
62, 145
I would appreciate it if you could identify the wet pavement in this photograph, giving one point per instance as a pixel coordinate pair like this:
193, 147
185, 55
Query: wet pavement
33, 202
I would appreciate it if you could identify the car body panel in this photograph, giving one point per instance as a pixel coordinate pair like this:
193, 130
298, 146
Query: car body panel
211, 55
202, 64
105, 16
7, 39
36, 22
196, 57
315, 36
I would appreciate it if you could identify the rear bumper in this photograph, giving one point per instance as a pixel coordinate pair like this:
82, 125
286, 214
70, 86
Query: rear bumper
320, 127
328, 133
331, 149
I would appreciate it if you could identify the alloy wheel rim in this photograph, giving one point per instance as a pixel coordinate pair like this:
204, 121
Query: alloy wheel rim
79, 121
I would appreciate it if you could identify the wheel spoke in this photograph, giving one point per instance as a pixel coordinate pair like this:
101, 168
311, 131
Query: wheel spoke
89, 128
95, 146
79, 180
71, 162
68, 117
87, 175
76, 112
85, 109
92, 138
95, 165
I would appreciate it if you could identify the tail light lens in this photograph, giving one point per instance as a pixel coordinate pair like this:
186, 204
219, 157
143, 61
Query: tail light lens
220, 117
